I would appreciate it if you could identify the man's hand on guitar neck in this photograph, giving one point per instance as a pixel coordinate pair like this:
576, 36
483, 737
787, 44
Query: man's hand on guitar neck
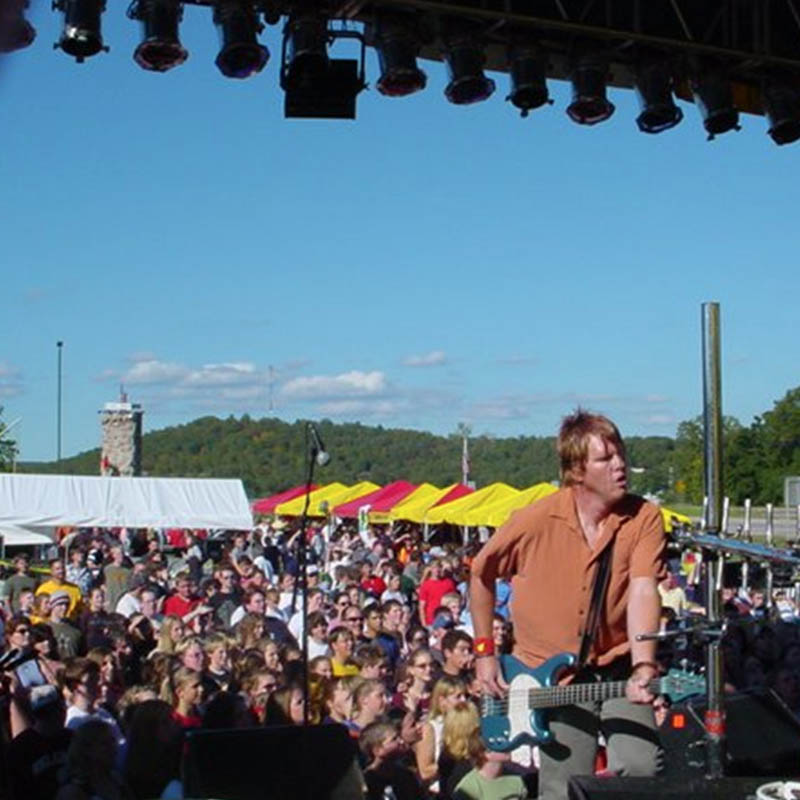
637, 689
487, 671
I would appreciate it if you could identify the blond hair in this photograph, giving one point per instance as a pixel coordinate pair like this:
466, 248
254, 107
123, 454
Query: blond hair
461, 734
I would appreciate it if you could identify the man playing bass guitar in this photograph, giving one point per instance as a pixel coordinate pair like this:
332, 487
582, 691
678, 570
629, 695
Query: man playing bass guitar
550, 550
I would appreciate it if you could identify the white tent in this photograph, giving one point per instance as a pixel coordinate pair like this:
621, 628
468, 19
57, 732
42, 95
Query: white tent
40, 501
11, 535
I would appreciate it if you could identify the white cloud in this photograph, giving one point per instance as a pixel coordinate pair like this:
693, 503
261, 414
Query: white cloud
223, 374
153, 371
11, 383
660, 419
433, 359
362, 408
348, 384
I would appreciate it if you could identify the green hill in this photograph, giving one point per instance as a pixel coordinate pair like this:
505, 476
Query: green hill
269, 455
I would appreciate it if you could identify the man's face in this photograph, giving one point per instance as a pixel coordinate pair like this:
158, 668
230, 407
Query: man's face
184, 588
57, 570
374, 620
460, 656
227, 580
148, 600
116, 555
58, 611
604, 474
392, 618
21, 565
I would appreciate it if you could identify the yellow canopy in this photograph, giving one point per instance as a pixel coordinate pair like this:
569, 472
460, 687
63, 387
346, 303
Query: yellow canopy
670, 516
456, 512
414, 507
423, 490
496, 513
333, 494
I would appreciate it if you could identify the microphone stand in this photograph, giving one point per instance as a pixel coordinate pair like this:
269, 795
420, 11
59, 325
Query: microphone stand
301, 583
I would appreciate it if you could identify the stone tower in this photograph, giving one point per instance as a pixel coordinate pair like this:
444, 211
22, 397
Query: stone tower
121, 426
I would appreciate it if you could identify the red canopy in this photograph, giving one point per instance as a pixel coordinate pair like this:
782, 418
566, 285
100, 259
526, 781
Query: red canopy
379, 500
459, 490
266, 505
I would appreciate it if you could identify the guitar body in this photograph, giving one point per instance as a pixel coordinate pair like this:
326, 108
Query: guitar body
510, 722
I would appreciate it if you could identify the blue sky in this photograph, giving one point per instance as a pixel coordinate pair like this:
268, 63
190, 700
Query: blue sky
424, 265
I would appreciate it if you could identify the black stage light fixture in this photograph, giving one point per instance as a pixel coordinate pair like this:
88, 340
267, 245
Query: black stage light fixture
306, 59
782, 109
15, 31
81, 36
653, 84
528, 70
589, 102
241, 54
714, 99
398, 44
463, 52
160, 48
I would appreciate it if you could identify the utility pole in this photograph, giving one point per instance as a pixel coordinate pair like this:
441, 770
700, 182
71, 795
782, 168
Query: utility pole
59, 347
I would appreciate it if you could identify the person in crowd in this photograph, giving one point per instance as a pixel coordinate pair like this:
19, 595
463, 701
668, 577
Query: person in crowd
434, 586
341, 650
386, 774
285, 706
116, 577
320, 667
191, 654
90, 768
501, 634
183, 690
95, 622
318, 645
390, 640
16, 583
44, 642
371, 661
183, 600
314, 601
371, 625
217, 675
551, 547
171, 632
457, 654
67, 636
416, 696
58, 583
369, 703
80, 681
77, 572
447, 692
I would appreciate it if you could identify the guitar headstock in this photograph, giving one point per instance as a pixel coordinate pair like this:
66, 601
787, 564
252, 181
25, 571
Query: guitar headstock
678, 684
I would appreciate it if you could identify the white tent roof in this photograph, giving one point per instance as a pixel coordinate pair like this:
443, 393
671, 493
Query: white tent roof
50, 500
22, 536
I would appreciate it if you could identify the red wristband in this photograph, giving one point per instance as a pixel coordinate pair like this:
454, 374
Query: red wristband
484, 646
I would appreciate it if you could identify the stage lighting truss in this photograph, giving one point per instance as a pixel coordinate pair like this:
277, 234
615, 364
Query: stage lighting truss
463, 52
81, 36
240, 55
397, 42
527, 66
15, 31
160, 49
589, 75
653, 84
713, 97
782, 110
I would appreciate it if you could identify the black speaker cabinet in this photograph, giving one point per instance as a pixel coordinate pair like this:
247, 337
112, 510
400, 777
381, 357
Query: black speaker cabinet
276, 763
762, 738
662, 788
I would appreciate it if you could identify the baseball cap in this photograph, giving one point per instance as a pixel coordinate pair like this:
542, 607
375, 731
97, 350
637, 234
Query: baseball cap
443, 621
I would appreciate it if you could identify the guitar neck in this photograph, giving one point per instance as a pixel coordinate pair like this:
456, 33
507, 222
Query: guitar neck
552, 696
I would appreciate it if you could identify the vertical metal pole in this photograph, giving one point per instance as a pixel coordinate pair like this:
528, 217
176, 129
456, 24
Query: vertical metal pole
60, 347
712, 473
770, 576
747, 535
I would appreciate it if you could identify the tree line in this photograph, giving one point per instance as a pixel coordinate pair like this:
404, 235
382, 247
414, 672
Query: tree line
269, 455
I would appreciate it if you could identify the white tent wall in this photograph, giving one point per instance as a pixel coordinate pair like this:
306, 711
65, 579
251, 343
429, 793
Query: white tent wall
35, 501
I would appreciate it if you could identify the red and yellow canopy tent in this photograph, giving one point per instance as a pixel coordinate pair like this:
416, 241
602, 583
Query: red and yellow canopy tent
380, 502
266, 505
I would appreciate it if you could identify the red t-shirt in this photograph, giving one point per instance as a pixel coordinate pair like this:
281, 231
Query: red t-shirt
175, 604
431, 592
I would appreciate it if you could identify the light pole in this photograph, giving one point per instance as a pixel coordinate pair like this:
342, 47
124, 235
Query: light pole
59, 347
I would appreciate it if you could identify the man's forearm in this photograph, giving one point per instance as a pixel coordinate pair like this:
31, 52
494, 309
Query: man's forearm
644, 613
481, 604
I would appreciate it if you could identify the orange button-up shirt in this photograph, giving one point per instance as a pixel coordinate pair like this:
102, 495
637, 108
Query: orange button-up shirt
543, 551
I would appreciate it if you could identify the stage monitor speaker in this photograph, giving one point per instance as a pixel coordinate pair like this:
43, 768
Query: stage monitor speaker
662, 788
762, 738
275, 763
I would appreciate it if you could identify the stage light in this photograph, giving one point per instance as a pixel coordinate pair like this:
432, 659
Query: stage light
81, 36
782, 109
397, 44
15, 31
589, 103
306, 44
653, 84
528, 70
714, 99
241, 55
465, 59
160, 49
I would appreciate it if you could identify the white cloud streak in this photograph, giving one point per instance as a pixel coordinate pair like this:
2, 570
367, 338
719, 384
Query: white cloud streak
433, 359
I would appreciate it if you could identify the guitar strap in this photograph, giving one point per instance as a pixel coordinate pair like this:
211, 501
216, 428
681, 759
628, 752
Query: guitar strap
601, 576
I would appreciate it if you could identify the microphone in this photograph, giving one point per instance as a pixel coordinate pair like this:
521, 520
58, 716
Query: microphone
321, 455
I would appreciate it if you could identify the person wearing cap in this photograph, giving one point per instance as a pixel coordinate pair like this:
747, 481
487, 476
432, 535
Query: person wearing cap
67, 636
21, 579
442, 623
58, 583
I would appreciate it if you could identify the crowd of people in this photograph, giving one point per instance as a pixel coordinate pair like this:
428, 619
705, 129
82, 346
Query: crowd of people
130, 639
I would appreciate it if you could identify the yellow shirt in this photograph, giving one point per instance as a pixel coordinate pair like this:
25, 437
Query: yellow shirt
75, 596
